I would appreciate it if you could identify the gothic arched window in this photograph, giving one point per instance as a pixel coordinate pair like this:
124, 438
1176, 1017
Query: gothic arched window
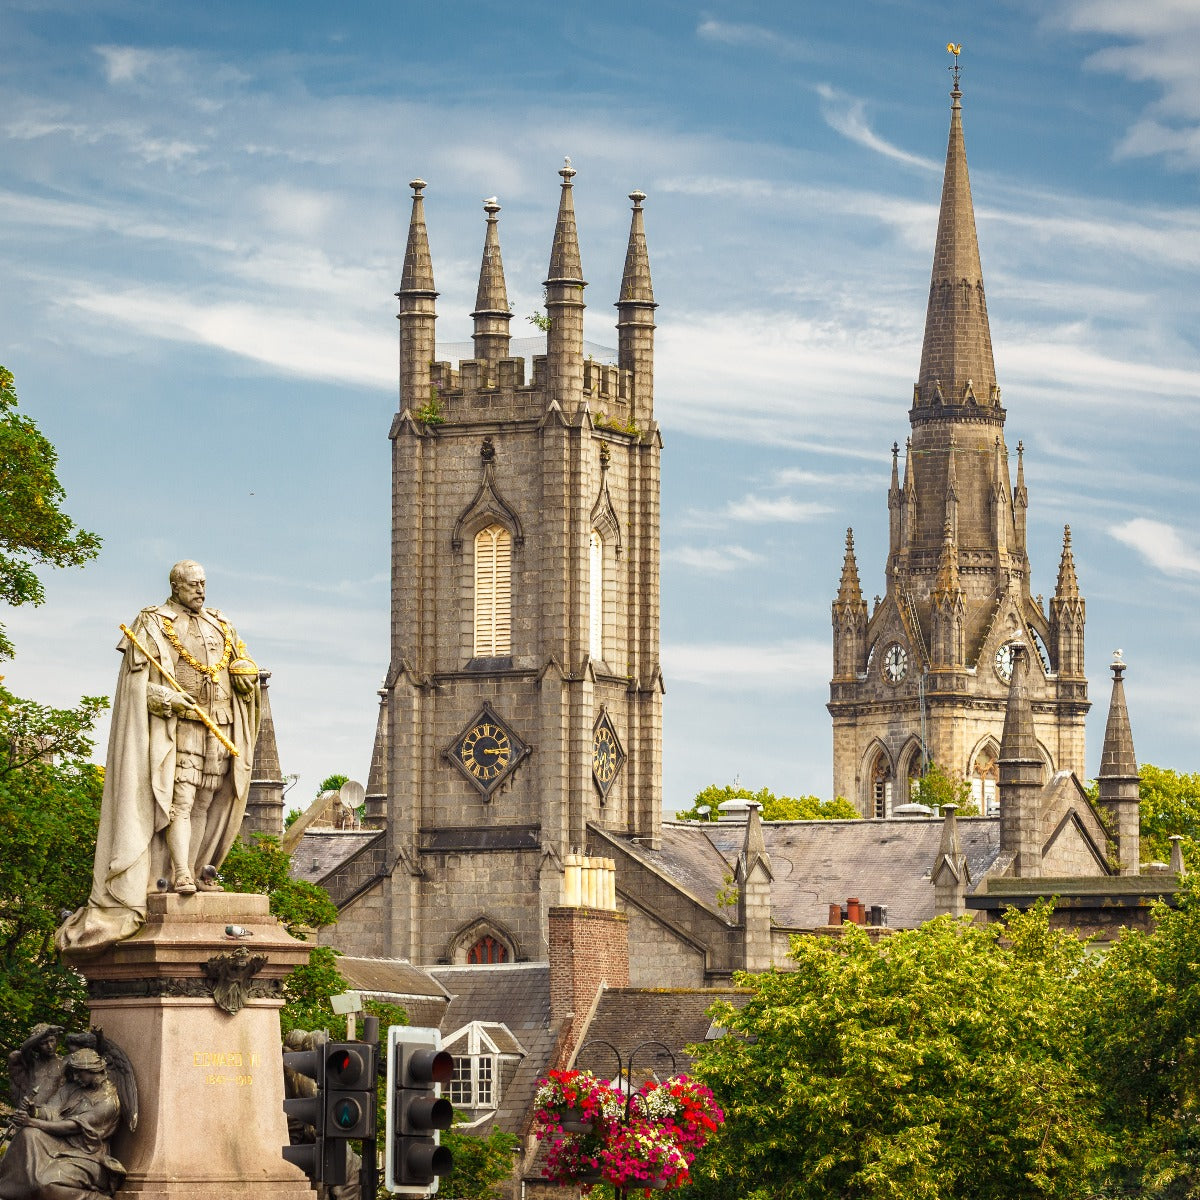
881, 787
486, 951
596, 596
493, 592
985, 777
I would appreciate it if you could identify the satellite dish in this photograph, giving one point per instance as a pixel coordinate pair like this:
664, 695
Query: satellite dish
352, 794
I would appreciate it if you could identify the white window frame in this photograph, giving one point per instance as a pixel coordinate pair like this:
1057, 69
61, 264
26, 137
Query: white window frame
493, 592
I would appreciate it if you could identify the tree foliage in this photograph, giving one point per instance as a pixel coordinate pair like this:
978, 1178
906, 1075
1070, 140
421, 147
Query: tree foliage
34, 531
937, 788
263, 866
331, 783
481, 1164
1141, 1036
1170, 803
774, 808
935, 1063
49, 813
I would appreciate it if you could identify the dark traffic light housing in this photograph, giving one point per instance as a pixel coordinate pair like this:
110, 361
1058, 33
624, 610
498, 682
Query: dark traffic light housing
339, 1106
416, 1110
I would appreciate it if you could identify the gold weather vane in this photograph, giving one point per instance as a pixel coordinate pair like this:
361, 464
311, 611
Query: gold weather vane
954, 48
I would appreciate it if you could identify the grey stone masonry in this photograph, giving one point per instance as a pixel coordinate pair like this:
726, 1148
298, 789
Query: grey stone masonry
562, 453
1118, 776
924, 677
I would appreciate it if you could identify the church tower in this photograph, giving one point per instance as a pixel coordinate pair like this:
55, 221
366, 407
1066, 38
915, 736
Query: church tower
523, 700
925, 677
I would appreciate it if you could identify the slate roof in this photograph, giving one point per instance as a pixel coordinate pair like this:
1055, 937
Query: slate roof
518, 996
629, 1017
817, 863
322, 851
398, 982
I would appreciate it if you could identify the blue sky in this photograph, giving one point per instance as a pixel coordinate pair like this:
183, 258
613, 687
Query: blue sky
202, 220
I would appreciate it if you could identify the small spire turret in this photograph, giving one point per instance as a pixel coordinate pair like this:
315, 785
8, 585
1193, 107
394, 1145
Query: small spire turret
849, 619
418, 312
492, 314
635, 316
1021, 772
564, 303
1118, 775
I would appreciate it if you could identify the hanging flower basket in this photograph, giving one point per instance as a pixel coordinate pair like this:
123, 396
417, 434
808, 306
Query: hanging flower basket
643, 1155
683, 1106
574, 1102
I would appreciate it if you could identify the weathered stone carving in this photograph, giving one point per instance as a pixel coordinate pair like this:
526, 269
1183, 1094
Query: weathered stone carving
58, 1140
180, 754
231, 975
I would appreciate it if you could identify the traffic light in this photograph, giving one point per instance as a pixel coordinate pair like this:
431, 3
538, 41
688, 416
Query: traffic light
305, 1110
416, 1110
350, 1090
337, 1086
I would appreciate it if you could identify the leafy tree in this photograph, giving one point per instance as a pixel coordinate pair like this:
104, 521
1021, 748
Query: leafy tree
49, 813
774, 808
481, 1164
1141, 1035
34, 531
937, 788
1170, 803
264, 867
934, 1063
331, 783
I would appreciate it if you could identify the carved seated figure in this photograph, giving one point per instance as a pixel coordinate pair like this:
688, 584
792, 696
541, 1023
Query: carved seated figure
60, 1149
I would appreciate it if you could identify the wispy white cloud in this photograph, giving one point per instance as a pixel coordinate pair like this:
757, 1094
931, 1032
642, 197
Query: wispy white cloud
124, 64
762, 509
1160, 544
756, 37
713, 559
315, 346
846, 115
800, 665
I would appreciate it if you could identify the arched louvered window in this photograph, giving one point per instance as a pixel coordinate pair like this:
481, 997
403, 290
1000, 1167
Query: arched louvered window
596, 596
487, 950
493, 592
881, 787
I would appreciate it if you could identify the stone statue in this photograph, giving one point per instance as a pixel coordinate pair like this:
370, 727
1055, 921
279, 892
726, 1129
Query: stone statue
59, 1145
180, 753
35, 1071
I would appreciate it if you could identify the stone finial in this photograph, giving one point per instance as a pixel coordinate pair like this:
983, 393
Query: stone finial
565, 264
1018, 742
487, 450
849, 588
417, 275
1117, 758
1068, 583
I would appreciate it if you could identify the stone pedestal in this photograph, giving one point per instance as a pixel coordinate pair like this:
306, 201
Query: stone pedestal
210, 1082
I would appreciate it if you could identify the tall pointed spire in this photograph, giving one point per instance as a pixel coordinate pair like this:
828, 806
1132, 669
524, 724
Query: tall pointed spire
635, 319
957, 352
418, 312
1118, 776
849, 589
564, 303
492, 314
1067, 587
264, 804
1021, 773
377, 776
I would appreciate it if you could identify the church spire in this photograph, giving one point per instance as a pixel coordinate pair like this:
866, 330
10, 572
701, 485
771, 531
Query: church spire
492, 313
956, 356
564, 302
418, 313
849, 619
635, 316
1118, 776
1020, 774
1067, 587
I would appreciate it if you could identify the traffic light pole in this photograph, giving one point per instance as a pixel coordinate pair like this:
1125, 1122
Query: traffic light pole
368, 1177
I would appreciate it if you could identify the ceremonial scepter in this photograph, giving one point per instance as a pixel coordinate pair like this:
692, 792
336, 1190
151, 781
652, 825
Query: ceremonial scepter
213, 728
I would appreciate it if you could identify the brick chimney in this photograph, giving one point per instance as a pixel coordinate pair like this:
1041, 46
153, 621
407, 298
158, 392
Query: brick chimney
589, 944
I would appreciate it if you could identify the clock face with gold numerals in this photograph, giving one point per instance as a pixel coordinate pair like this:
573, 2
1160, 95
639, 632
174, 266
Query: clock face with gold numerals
607, 753
487, 751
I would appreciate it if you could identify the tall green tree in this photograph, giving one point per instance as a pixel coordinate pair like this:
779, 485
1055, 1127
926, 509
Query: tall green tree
774, 808
34, 531
49, 812
933, 1064
1141, 1035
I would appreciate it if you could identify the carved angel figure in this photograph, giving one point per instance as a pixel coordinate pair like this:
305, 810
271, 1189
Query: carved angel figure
59, 1147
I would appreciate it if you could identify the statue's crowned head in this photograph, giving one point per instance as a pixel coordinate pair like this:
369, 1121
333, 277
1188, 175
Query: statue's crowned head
187, 584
